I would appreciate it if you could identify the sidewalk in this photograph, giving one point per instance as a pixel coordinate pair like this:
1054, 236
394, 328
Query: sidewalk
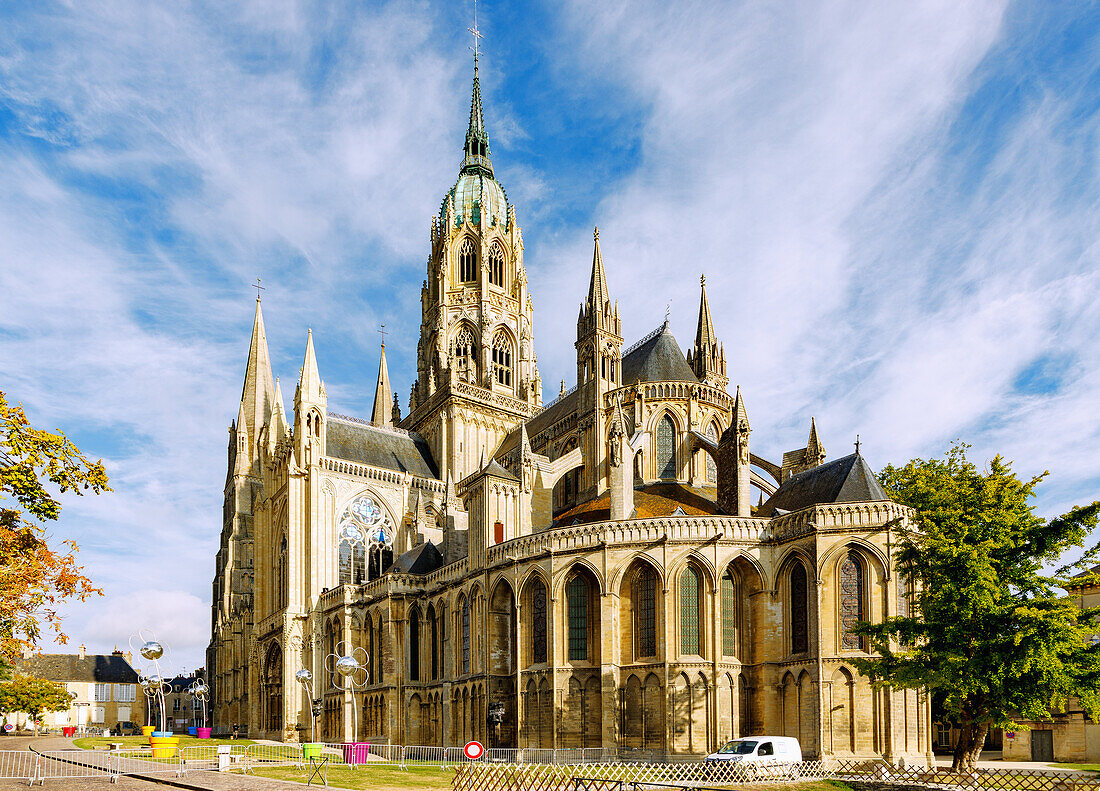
992, 760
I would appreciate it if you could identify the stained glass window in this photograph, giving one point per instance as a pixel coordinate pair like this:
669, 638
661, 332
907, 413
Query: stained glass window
851, 601
666, 448
502, 359
538, 621
496, 267
467, 262
729, 614
434, 639
645, 609
689, 611
576, 595
465, 636
712, 468
799, 627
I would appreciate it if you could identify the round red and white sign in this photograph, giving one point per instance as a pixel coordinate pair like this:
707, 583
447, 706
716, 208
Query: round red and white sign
9, 727
473, 750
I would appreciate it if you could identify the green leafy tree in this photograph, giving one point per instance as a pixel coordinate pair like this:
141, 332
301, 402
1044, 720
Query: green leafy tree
35, 578
988, 630
34, 696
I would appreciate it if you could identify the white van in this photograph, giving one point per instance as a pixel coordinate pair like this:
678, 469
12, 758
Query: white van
759, 751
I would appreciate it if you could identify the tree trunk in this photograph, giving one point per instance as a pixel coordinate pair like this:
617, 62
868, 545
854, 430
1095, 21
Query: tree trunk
971, 740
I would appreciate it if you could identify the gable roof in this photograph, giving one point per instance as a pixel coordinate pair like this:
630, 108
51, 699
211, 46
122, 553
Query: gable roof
846, 480
390, 449
420, 559
106, 669
658, 359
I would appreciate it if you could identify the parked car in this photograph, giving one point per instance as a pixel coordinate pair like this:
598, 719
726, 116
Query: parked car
757, 756
126, 729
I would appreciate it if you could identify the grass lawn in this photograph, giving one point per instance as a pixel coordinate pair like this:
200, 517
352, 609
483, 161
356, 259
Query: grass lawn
92, 742
377, 778
1084, 767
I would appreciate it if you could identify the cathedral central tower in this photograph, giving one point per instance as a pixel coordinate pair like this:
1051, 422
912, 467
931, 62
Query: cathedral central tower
477, 376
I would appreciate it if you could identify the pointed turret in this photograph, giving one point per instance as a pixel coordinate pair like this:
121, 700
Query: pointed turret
257, 398
310, 402
815, 451
708, 357
734, 458
597, 284
477, 139
279, 428
382, 414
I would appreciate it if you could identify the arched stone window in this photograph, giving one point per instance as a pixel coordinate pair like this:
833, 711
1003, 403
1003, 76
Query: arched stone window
644, 591
799, 605
464, 353
538, 621
689, 611
467, 262
852, 597
666, 448
712, 468
434, 639
502, 358
414, 646
496, 266
576, 601
729, 614
465, 636
281, 576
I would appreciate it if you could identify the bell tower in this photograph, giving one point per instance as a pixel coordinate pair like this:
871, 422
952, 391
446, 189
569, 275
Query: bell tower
477, 377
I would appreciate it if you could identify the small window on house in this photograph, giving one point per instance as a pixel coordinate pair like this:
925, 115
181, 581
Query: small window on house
102, 692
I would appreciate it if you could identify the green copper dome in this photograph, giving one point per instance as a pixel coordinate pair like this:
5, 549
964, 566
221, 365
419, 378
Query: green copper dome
476, 194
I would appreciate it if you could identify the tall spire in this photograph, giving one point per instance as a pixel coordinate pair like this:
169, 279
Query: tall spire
258, 396
597, 286
382, 414
477, 139
705, 335
309, 383
708, 358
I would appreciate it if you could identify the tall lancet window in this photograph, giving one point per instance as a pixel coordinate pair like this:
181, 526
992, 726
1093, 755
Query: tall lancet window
465, 636
496, 266
799, 601
666, 448
689, 611
712, 468
467, 262
851, 601
502, 358
464, 353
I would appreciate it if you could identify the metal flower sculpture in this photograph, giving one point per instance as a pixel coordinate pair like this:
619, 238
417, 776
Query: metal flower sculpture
353, 673
153, 651
155, 688
305, 678
200, 690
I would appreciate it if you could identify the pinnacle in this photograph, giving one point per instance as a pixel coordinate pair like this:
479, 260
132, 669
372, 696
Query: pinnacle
597, 287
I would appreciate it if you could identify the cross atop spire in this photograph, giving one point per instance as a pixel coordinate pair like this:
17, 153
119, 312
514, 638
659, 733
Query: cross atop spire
477, 36
477, 141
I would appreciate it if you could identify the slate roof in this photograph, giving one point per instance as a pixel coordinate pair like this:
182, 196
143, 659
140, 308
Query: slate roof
659, 359
106, 669
846, 480
1087, 578
418, 560
390, 450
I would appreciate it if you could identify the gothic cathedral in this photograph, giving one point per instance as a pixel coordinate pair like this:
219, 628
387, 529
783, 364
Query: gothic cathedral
591, 572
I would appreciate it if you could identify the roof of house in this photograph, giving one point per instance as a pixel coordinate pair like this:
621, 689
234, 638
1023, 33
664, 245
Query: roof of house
106, 669
846, 480
421, 559
390, 449
659, 359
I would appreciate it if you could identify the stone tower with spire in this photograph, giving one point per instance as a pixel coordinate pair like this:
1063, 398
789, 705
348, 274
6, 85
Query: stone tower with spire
234, 570
708, 357
477, 376
599, 347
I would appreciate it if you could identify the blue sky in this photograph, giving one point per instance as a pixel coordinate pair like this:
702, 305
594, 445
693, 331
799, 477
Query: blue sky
895, 206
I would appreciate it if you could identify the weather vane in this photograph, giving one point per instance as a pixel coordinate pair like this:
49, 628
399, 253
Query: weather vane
857, 443
668, 311
382, 332
258, 288
475, 33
